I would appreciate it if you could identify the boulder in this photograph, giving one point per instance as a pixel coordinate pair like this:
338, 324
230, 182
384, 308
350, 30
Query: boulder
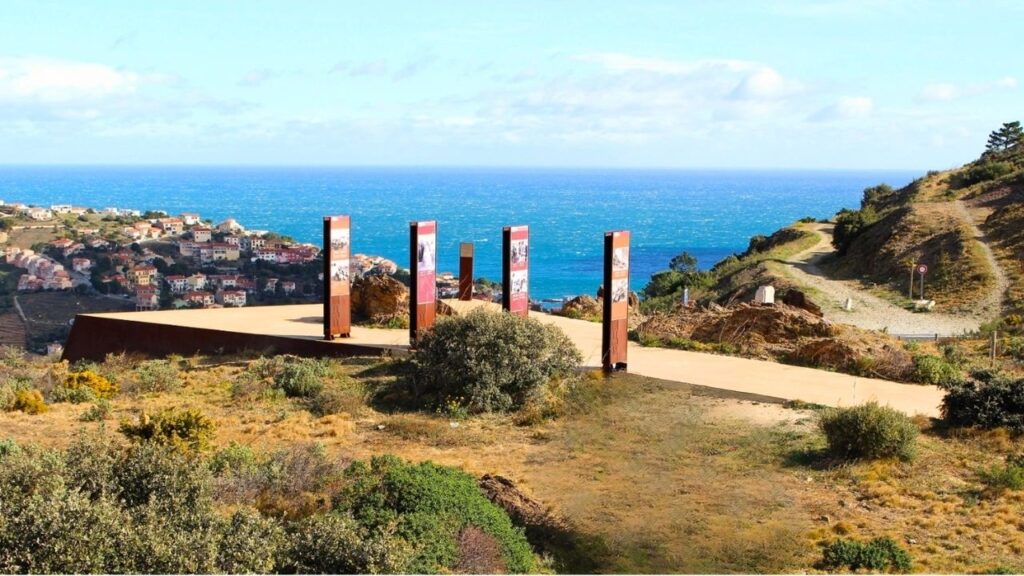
582, 306
798, 299
379, 298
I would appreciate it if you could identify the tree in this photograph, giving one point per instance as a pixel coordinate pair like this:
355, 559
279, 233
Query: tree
684, 263
1008, 136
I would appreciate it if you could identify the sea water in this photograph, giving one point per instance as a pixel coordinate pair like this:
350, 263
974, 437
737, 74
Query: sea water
709, 213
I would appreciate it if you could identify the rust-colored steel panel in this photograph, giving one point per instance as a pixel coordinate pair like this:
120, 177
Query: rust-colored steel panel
337, 282
466, 271
515, 270
614, 326
93, 337
423, 269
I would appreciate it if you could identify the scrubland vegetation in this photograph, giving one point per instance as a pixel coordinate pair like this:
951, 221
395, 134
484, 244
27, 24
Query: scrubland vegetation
282, 464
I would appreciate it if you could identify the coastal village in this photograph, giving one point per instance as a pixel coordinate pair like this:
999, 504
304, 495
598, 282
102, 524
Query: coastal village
151, 260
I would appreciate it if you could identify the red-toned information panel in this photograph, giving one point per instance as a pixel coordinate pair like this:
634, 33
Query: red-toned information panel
337, 289
422, 267
615, 325
515, 275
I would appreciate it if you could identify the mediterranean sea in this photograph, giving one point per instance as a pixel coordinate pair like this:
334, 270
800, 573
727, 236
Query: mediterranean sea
709, 213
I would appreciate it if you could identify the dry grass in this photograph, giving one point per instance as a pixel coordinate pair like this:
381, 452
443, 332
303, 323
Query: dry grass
649, 476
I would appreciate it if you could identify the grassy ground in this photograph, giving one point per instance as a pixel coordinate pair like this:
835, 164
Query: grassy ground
649, 476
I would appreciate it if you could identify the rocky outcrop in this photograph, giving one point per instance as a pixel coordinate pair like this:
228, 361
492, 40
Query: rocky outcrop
379, 299
582, 307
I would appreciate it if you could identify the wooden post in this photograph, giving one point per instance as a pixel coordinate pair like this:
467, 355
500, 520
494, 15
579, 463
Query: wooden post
910, 289
337, 290
992, 351
422, 269
615, 312
466, 271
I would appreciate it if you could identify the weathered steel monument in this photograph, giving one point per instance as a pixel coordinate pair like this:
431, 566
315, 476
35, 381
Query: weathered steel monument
337, 284
466, 271
615, 323
422, 270
515, 270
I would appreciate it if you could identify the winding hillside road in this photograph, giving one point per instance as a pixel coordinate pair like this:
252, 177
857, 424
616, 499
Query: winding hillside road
870, 311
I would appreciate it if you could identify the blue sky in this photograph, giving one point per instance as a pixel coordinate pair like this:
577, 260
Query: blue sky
765, 84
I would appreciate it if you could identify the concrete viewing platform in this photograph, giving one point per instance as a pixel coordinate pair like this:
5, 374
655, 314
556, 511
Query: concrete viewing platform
298, 330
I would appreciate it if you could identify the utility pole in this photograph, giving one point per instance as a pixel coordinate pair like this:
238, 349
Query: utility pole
910, 289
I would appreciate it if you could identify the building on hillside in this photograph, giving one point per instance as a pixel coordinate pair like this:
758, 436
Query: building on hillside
271, 285
288, 287
217, 252
233, 240
231, 226
231, 298
147, 298
199, 298
196, 281
54, 349
171, 226
81, 265
190, 218
37, 213
177, 283
61, 208
252, 243
142, 275
201, 234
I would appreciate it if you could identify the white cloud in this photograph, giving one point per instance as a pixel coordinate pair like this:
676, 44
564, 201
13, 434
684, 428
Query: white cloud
34, 79
618, 62
846, 108
765, 83
947, 91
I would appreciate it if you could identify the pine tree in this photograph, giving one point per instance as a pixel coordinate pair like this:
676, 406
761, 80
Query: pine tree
1009, 135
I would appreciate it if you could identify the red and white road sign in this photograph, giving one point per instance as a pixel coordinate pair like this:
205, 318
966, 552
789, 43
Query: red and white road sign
922, 268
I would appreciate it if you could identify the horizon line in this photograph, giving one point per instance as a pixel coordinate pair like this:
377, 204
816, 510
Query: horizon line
4, 165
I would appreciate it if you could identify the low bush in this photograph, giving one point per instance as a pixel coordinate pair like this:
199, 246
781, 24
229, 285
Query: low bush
869, 431
103, 507
934, 370
184, 429
1008, 476
980, 172
876, 555
97, 412
83, 386
428, 506
302, 377
153, 376
986, 400
493, 361
29, 401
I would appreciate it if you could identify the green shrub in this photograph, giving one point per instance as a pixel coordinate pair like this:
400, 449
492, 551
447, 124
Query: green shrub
982, 172
337, 397
428, 506
934, 370
302, 377
333, 543
185, 429
493, 361
97, 412
986, 400
234, 457
1008, 476
877, 555
250, 544
869, 431
154, 376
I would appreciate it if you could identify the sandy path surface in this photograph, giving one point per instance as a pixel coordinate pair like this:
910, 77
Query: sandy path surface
756, 377
869, 311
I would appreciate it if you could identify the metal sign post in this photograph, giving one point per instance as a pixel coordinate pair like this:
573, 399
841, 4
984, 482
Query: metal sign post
922, 269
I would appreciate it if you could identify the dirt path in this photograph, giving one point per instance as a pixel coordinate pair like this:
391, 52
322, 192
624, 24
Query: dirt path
869, 311
992, 303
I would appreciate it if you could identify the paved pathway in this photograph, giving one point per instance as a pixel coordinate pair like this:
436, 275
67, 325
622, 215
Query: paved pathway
714, 371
